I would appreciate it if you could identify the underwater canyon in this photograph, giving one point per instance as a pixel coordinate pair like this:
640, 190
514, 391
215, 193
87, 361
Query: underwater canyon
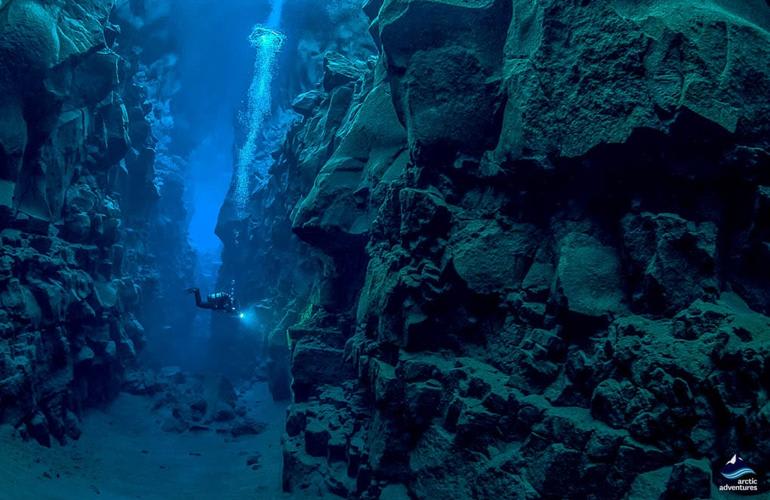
467, 248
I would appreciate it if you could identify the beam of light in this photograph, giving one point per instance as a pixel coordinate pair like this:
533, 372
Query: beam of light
267, 42
275, 14
248, 317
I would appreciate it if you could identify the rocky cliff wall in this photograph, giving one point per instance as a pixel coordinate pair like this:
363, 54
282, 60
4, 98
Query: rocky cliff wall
541, 229
77, 192
149, 46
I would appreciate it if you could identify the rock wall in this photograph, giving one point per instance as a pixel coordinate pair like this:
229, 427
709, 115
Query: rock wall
539, 229
148, 46
77, 189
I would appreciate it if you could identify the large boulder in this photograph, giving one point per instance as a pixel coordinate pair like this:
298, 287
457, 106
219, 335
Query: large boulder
579, 75
41, 45
444, 60
339, 209
588, 276
490, 258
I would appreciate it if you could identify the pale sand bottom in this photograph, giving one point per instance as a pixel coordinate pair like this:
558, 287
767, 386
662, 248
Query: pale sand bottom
123, 453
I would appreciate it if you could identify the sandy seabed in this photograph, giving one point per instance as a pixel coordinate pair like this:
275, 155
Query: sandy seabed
123, 454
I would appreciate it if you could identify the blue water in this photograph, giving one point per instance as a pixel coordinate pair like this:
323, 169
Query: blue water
215, 70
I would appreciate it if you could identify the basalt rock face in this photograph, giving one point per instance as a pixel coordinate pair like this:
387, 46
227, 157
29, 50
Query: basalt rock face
76, 185
167, 262
543, 226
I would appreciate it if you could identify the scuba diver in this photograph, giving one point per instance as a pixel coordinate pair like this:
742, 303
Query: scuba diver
219, 301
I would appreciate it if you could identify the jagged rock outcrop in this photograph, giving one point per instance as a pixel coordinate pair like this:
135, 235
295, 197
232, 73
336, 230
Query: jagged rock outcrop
543, 225
77, 184
195, 403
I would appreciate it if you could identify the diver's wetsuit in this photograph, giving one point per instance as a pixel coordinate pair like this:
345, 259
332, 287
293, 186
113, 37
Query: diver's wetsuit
219, 301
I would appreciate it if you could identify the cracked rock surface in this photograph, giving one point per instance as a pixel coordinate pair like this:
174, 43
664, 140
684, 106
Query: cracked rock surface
539, 230
78, 206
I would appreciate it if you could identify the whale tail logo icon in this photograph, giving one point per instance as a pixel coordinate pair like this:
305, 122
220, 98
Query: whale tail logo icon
736, 468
